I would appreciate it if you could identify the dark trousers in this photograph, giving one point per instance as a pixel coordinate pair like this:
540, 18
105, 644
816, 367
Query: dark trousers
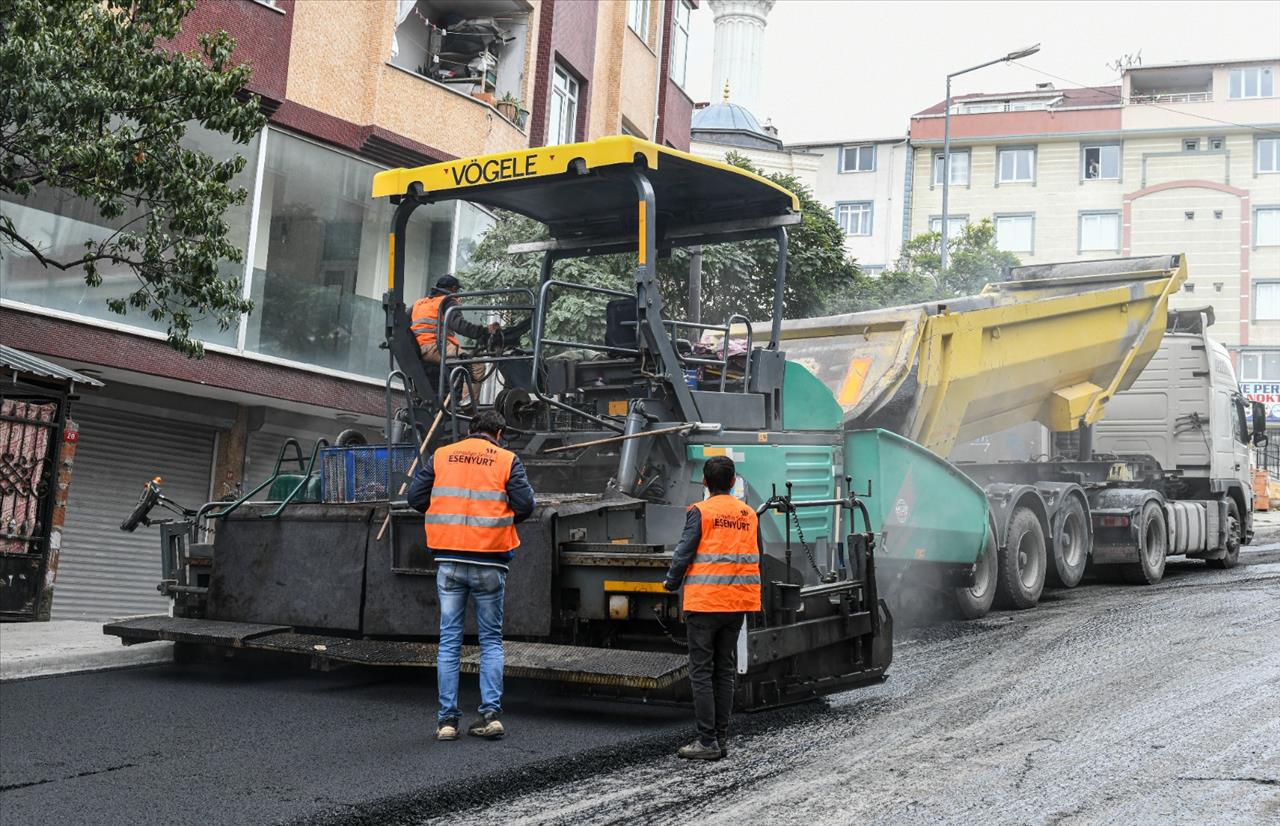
713, 668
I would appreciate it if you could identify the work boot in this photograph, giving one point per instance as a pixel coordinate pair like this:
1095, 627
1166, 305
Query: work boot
697, 751
447, 729
488, 726
724, 747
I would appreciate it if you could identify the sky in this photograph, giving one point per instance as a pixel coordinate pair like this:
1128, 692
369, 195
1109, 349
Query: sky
840, 69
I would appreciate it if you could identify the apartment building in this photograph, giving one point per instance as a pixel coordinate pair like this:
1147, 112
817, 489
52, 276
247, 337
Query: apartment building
349, 89
1178, 158
863, 181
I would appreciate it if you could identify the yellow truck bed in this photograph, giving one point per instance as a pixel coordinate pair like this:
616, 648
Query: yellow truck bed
1052, 344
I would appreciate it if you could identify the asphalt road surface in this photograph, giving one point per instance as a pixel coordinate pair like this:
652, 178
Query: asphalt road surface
1104, 704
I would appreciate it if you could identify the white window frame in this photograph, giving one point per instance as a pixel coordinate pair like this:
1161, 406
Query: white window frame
679, 60
1271, 287
1238, 83
1273, 215
564, 96
1084, 161
951, 219
937, 173
1098, 213
859, 153
1009, 216
1273, 149
638, 18
856, 218
1031, 167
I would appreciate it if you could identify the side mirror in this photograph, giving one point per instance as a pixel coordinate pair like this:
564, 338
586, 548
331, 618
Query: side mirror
1259, 411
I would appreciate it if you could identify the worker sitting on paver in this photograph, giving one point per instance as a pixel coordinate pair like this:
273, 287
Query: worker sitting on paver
718, 561
473, 493
426, 316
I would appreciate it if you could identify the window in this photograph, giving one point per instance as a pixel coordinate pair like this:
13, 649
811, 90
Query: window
1102, 163
871, 270
955, 224
1266, 301
1266, 223
680, 43
1268, 155
959, 169
1252, 82
1099, 231
1260, 365
859, 159
563, 125
1014, 233
1017, 165
1191, 145
320, 258
1217, 144
638, 18
60, 223
854, 217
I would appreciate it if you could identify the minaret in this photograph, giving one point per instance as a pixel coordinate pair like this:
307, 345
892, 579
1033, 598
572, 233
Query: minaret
738, 53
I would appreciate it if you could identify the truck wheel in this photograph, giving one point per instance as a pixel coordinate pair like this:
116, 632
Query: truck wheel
975, 601
1234, 526
1149, 569
1022, 562
1070, 545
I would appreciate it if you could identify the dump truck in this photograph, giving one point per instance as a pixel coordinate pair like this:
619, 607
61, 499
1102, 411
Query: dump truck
1156, 462
328, 564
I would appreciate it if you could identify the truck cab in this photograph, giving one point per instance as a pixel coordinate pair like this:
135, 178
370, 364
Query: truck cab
1185, 414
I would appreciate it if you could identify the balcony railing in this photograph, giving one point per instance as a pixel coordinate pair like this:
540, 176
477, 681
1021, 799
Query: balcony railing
1173, 97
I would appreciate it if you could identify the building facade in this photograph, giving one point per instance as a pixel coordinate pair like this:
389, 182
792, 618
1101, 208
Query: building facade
349, 89
864, 184
1178, 158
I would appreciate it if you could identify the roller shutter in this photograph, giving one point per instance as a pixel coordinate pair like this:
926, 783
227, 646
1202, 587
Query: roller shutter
105, 572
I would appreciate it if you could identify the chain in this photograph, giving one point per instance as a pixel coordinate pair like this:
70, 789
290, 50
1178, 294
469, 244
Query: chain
813, 563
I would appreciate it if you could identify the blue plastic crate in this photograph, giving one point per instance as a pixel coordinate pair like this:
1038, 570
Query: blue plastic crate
359, 473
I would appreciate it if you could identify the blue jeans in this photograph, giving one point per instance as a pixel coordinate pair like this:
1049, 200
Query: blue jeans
486, 585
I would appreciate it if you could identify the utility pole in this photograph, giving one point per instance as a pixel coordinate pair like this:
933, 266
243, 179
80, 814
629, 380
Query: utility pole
946, 144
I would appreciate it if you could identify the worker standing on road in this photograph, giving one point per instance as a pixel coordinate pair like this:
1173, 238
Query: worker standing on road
718, 560
426, 316
473, 493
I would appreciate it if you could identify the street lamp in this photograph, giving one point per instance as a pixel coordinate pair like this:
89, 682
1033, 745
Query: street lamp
946, 140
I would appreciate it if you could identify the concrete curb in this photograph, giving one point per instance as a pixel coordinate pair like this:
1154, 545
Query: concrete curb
29, 650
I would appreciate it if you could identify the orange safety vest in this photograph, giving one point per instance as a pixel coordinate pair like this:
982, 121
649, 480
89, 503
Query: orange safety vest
469, 510
426, 316
725, 572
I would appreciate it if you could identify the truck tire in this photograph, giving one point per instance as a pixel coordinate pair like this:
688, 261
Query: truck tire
1022, 562
1070, 545
1234, 530
1154, 544
975, 601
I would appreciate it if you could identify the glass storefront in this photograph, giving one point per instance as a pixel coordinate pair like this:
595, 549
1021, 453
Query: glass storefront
320, 258
317, 259
61, 222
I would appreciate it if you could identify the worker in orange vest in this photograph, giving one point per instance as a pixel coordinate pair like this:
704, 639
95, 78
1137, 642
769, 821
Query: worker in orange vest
473, 493
718, 561
426, 316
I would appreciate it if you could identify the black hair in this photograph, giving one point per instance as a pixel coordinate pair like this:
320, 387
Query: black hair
489, 422
719, 473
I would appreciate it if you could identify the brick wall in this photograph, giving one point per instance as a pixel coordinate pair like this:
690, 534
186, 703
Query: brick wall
568, 36
263, 38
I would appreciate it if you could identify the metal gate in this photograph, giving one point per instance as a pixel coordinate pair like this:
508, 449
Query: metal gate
104, 572
31, 423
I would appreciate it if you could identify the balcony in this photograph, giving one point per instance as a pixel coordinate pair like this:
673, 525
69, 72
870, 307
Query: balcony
1172, 97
